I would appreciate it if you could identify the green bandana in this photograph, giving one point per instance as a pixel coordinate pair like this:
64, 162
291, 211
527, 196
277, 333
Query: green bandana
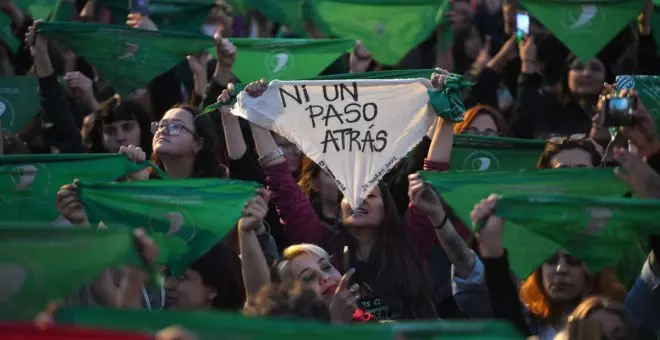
285, 12
19, 102
38, 9
29, 183
169, 15
462, 190
41, 264
186, 218
648, 88
494, 153
597, 230
388, 28
585, 26
285, 59
223, 325
127, 58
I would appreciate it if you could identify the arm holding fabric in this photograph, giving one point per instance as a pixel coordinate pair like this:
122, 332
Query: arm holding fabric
236, 146
256, 273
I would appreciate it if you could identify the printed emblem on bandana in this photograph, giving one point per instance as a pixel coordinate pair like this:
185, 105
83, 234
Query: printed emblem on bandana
481, 160
180, 224
132, 52
279, 61
585, 18
6, 109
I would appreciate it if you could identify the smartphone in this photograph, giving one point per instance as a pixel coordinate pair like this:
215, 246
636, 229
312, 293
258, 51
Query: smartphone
522, 25
139, 6
618, 111
345, 259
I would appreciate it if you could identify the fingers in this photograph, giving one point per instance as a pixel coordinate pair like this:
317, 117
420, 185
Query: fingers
134, 153
622, 176
487, 43
345, 281
145, 245
484, 208
438, 80
257, 88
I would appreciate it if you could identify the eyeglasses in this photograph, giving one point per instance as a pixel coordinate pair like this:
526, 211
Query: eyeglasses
569, 259
171, 129
574, 138
476, 132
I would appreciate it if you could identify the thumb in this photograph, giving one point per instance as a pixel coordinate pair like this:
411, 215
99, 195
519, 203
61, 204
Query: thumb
345, 281
487, 43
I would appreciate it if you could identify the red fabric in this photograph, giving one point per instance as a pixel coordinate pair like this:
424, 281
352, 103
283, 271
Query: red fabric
361, 316
17, 331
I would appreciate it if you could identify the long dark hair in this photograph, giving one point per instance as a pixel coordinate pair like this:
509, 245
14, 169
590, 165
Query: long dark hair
220, 269
399, 270
552, 149
110, 111
209, 160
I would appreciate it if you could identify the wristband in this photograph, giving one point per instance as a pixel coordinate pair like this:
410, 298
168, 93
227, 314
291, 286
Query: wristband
443, 223
271, 156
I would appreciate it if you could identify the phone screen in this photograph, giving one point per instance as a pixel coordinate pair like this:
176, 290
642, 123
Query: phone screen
522, 23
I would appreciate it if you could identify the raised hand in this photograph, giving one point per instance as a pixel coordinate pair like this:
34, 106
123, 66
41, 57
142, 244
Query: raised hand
69, 206
424, 198
490, 235
360, 58
344, 303
257, 88
254, 211
136, 155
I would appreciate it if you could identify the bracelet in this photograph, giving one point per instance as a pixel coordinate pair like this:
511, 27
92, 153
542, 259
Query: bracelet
443, 223
271, 156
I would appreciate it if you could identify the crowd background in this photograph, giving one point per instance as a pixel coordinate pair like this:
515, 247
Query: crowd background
295, 249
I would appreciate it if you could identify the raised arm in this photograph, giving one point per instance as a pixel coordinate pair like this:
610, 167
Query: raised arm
300, 221
256, 273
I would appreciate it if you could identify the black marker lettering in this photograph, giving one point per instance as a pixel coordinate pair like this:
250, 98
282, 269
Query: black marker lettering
296, 97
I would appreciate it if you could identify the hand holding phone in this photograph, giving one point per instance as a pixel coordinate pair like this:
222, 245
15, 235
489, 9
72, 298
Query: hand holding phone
522, 26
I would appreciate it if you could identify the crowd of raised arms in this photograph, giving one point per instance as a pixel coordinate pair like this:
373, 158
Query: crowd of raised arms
489, 169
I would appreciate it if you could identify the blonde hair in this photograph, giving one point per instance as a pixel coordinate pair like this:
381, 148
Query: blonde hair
284, 268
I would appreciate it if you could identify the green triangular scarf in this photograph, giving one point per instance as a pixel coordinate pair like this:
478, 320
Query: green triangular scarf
29, 183
584, 26
185, 217
127, 58
597, 230
494, 153
169, 15
19, 102
463, 189
388, 28
41, 264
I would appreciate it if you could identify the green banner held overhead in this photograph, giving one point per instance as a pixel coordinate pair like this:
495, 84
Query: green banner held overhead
42, 264
597, 230
29, 183
394, 74
169, 15
284, 12
494, 153
463, 189
127, 58
648, 88
389, 28
38, 9
185, 218
19, 101
585, 26
229, 326
285, 59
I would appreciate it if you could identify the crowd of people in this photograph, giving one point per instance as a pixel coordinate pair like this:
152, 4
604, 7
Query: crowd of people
300, 250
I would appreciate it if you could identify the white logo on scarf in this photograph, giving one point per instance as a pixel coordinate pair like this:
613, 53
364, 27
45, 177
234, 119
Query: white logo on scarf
480, 161
279, 61
356, 130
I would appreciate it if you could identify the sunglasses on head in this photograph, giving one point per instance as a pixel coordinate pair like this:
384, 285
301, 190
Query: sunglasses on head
574, 138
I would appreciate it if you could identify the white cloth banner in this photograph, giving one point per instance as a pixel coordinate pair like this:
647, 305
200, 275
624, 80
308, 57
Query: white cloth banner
356, 130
